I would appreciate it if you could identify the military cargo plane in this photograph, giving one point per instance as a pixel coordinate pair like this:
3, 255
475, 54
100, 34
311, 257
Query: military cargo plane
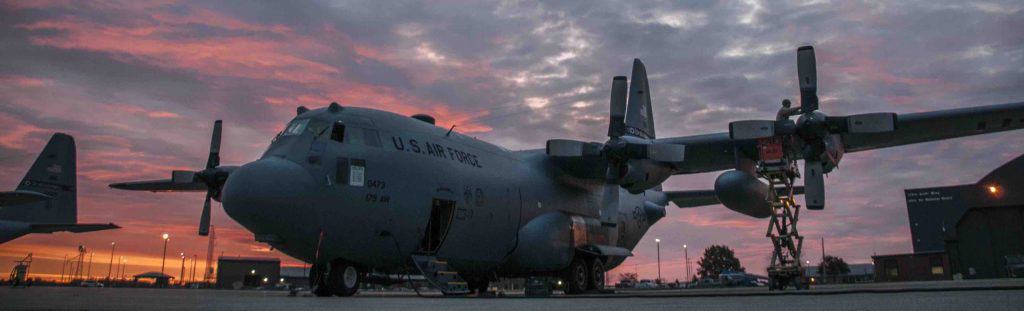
46, 199
360, 192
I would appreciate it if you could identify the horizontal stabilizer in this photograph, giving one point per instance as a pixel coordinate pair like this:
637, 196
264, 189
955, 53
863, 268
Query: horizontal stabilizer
162, 185
8, 198
76, 228
698, 198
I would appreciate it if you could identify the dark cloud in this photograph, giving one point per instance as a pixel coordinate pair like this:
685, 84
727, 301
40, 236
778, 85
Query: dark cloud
141, 82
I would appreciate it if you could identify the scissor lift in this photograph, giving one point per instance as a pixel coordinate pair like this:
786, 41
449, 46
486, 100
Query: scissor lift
786, 268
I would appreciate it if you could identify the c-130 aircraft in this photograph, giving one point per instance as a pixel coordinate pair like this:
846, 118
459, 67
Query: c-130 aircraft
361, 193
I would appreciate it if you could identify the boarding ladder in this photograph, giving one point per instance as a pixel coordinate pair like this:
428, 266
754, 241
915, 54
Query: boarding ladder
440, 276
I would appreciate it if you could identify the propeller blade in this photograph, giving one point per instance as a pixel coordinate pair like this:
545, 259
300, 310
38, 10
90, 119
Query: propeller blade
614, 171
807, 73
204, 220
610, 204
214, 159
617, 116
751, 129
814, 185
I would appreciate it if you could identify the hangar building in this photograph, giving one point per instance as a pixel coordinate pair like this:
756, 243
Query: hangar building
247, 272
970, 231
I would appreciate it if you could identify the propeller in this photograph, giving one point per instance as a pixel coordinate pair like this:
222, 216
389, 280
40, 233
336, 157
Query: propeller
634, 162
617, 115
212, 162
213, 176
817, 135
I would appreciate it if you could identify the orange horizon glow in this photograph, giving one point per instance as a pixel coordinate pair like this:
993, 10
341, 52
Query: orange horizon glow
139, 83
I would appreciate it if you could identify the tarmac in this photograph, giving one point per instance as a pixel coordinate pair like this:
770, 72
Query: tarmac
1006, 294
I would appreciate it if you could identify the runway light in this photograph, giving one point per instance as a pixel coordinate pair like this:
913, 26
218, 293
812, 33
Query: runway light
282, 280
559, 283
253, 271
265, 280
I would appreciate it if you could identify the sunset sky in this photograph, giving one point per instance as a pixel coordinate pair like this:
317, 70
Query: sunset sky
139, 84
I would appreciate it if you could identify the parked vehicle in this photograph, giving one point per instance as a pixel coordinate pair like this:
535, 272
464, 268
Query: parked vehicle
647, 284
90, 284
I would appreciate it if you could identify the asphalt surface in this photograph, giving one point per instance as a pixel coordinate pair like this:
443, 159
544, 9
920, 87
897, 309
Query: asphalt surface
974, 295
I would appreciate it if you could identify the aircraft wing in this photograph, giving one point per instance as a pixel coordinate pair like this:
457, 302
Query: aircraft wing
715, 152
161, 185
17, 197
698, 198
921, 127
76, 228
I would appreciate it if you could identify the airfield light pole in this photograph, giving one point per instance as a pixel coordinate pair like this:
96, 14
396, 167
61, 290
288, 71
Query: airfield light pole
88, 274
110, 266
166, 237
686, 256
193, 276
124, 266
63, 266
657, 243
181, 276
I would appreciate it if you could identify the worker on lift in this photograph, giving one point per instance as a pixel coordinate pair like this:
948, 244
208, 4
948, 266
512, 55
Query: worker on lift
786, 111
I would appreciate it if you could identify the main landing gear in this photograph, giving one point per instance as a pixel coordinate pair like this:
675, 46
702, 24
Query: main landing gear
339, 279
582, 275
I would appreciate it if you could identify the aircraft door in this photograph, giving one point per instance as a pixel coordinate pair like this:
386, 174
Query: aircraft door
442, 212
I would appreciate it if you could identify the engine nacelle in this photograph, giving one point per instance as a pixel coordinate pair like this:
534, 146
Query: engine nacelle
743, 193
641, 175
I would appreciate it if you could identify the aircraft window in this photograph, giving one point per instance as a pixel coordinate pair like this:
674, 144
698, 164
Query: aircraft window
371, 138
318, 127
354, 136
296, 127
338, 132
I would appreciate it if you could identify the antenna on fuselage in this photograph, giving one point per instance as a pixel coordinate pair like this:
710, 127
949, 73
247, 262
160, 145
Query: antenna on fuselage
450, 131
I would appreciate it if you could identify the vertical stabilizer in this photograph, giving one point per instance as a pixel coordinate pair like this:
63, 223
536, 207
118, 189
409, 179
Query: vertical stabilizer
52, 174
639, 116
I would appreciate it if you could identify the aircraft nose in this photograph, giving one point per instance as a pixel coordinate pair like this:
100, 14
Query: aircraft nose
263, 194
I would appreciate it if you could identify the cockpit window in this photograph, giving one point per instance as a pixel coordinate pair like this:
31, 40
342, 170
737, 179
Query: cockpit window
371, 138
338, 132
296, 127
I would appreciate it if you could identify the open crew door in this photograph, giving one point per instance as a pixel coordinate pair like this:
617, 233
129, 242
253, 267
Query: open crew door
442, 212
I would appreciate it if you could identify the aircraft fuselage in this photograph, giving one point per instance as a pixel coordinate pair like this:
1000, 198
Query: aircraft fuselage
381, 187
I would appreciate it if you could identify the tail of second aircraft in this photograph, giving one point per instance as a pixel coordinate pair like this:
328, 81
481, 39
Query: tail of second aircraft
53, 175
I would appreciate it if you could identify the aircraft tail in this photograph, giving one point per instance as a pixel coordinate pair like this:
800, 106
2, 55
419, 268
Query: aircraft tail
53, 174
639, 115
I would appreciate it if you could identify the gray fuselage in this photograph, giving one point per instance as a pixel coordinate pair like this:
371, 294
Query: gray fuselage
369, 192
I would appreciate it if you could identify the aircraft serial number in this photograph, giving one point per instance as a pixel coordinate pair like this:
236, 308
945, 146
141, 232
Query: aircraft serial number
378, 184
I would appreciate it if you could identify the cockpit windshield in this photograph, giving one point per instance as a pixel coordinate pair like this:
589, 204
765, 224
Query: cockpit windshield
296, 127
